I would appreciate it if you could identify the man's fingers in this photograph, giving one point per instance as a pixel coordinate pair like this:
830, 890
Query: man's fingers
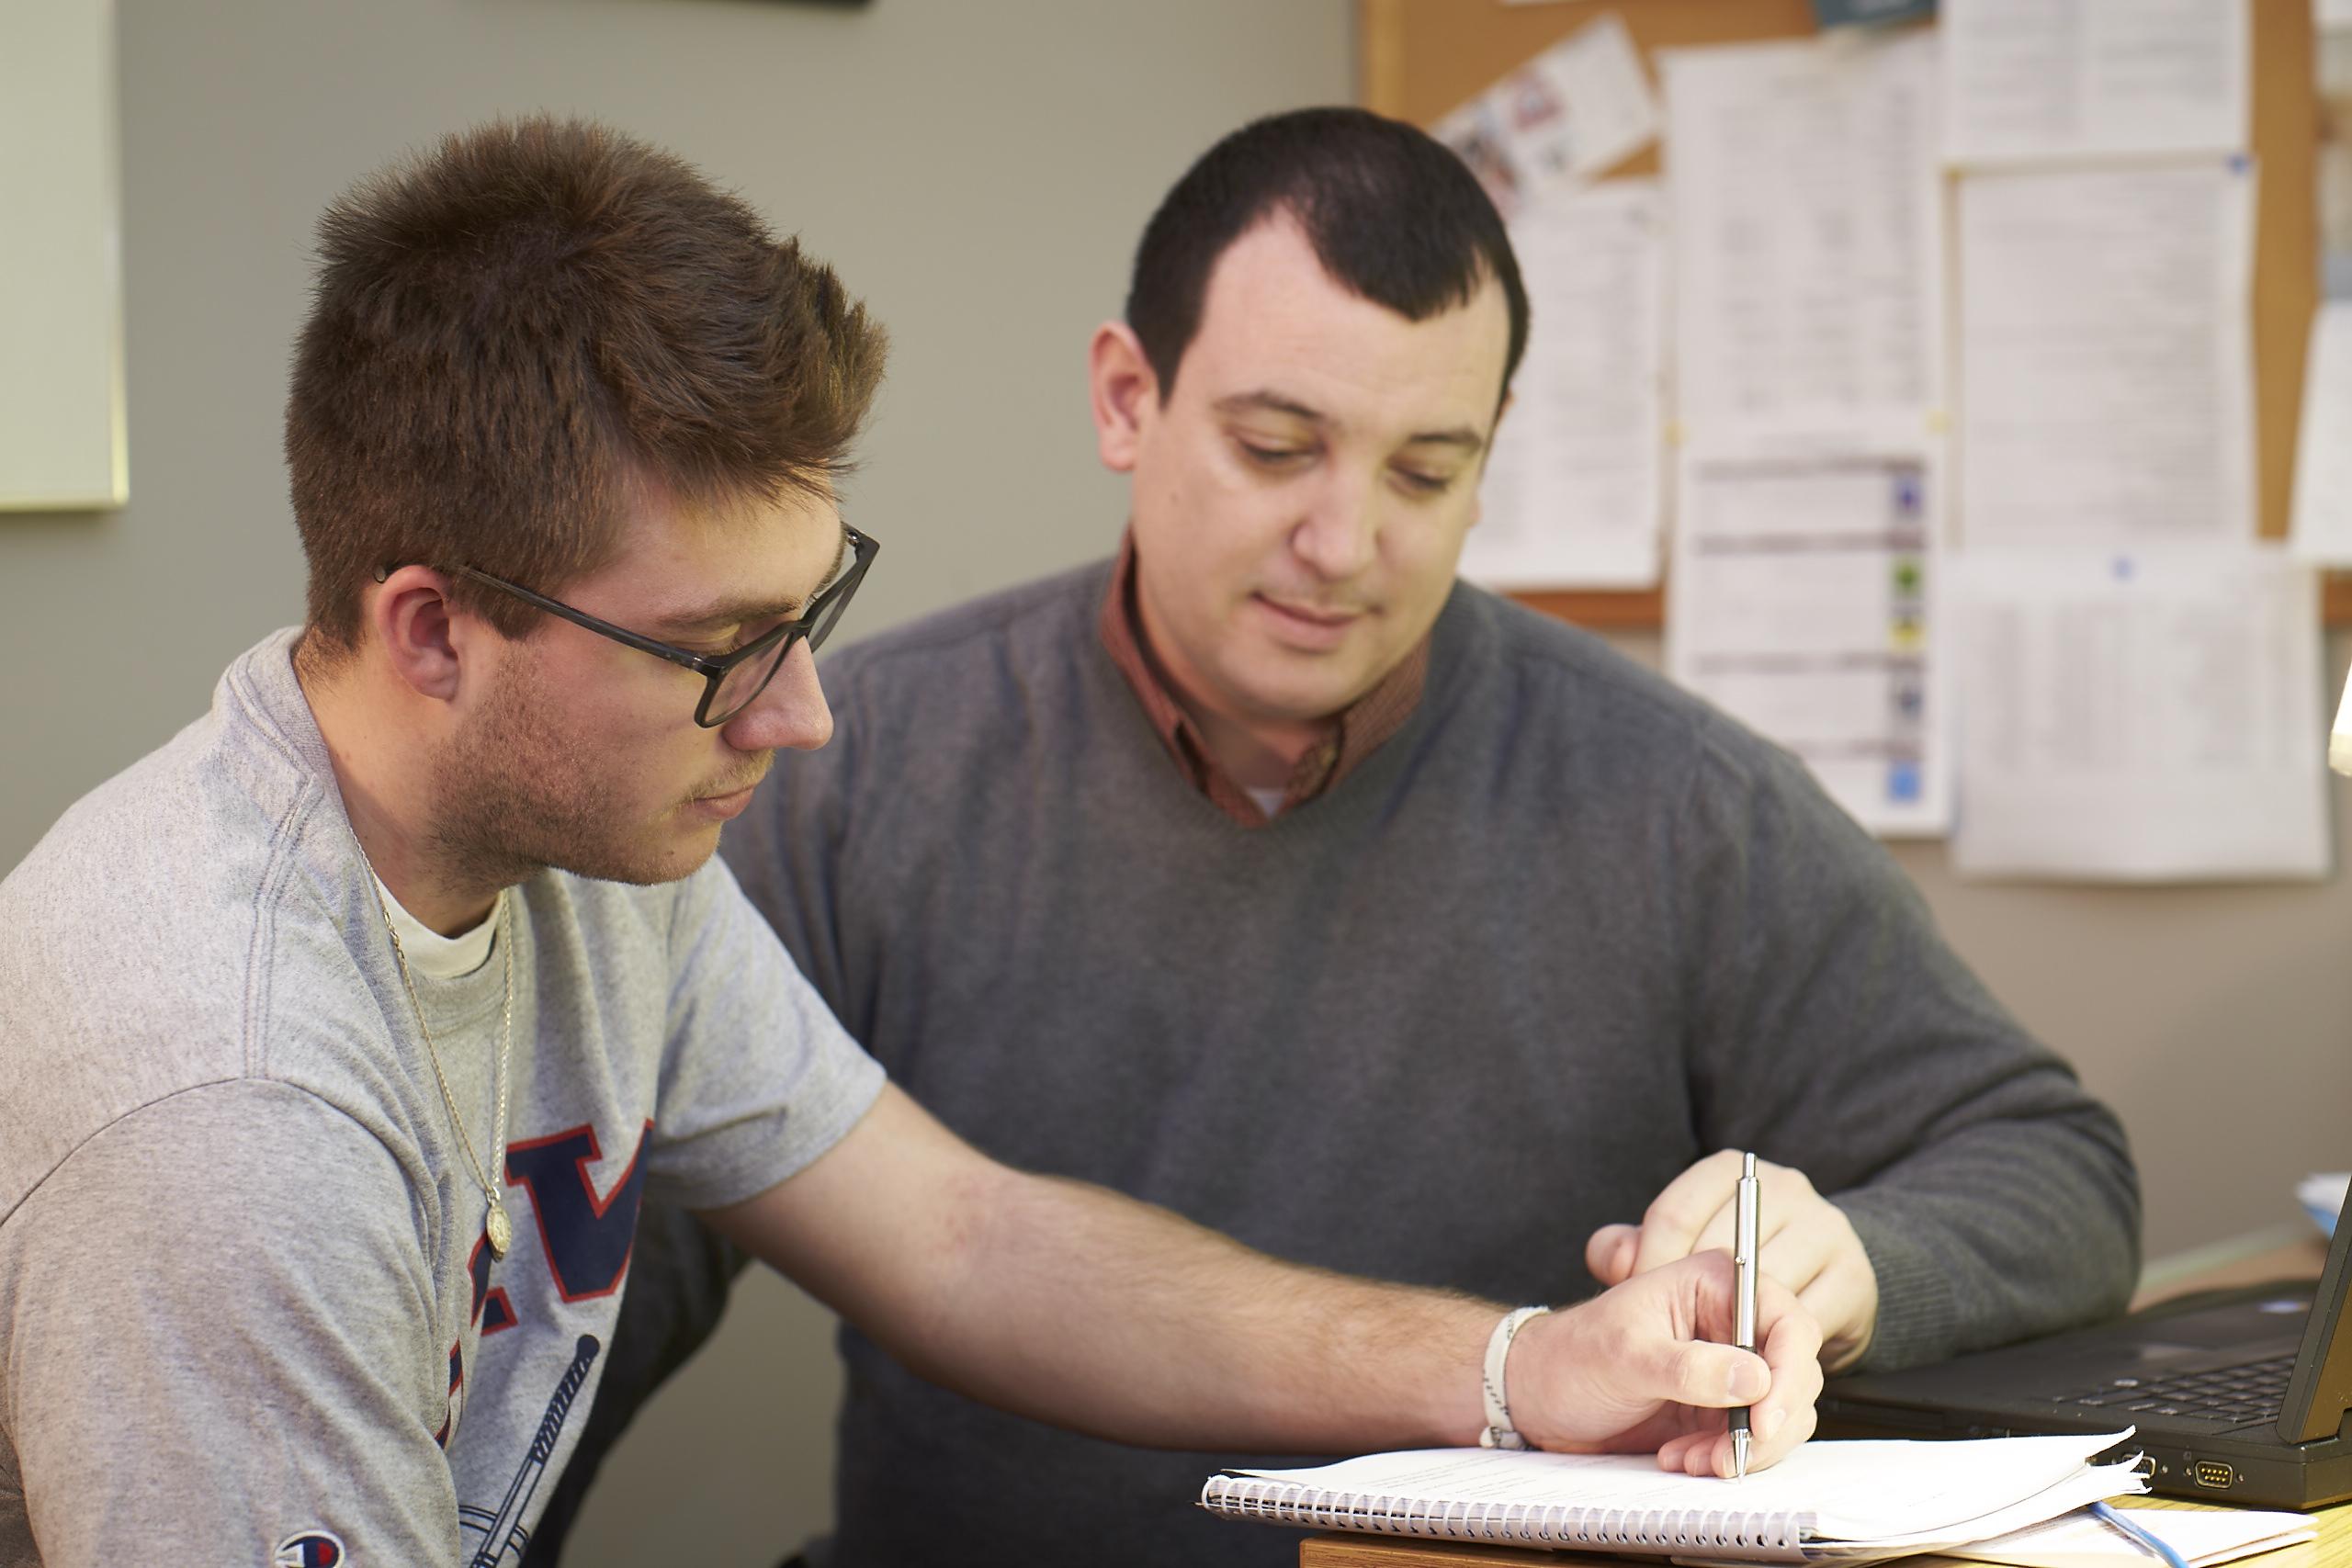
1671, 1225
1648, 1371
1712, 1377
1791, 1347
1780, 1403
1609, 1256
1693, 1453
1721, 1232
1836, 1306
1799, 1255
1808, 1244
1777, 1430
1671, 1452
1788, 1336
1843, 1298
1699, 1210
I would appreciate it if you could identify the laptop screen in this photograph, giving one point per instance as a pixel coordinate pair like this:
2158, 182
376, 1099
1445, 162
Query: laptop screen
2321, 1388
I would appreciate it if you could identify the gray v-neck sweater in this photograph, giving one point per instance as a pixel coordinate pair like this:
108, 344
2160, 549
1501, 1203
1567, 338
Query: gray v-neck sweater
1568, 932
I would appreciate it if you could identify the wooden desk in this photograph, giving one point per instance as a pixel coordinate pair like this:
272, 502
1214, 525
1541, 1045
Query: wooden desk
2332, 1549
2299, 1259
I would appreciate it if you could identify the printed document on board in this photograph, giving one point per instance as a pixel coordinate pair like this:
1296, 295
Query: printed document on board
2105, 325
2149, 715
1804, 604
2322, 533
2052, 80
1572, 496
1808, 241
1560, 121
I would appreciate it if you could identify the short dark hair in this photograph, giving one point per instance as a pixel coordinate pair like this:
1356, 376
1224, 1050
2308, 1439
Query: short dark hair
512, 333
1392, 215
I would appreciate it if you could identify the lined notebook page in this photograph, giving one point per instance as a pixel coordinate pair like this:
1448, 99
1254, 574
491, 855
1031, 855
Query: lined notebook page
1824, 1494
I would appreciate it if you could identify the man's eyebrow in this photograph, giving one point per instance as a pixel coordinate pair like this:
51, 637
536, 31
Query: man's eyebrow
1468, 438
746, 611
1267, 402
1462, 435
725, 613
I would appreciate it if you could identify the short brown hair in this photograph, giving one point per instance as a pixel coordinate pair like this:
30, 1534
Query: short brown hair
511, 333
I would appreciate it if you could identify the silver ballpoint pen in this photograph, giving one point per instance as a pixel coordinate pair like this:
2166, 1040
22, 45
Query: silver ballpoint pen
1748, 1211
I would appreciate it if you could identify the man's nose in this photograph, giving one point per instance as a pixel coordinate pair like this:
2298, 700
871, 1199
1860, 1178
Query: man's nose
792, 713
1340, 532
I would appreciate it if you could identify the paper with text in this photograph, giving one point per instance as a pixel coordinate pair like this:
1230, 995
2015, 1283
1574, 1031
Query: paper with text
2105, 325
2142, 715
1572, 496
1803, 606
1808, 238
2045, 80
2322, 531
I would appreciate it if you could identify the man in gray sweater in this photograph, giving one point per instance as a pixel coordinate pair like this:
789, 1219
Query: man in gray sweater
1269, 873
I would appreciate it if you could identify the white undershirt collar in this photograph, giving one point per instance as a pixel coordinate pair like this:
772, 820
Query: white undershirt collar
432, 955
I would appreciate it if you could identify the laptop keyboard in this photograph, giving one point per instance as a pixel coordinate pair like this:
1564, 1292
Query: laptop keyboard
2253, 1391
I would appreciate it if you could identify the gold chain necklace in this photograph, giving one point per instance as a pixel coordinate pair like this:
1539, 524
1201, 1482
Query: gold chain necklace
500, 1229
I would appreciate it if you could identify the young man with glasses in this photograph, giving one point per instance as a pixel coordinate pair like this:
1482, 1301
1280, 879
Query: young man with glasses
343, 1037
1270, 874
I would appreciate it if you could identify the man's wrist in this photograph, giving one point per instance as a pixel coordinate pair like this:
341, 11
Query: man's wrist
1499, 1431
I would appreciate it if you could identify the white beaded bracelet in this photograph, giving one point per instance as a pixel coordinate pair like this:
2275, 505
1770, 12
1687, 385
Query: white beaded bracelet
1498, 1432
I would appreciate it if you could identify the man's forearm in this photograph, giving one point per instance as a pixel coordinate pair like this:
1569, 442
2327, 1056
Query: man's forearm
1101, 1312
1074, 1305
1192, 1340
1064, 1302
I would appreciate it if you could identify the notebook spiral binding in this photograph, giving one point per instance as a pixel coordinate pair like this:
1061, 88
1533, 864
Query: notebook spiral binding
1676, 1531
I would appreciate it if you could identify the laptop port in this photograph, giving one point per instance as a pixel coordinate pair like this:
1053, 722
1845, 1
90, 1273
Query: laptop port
2213, 1475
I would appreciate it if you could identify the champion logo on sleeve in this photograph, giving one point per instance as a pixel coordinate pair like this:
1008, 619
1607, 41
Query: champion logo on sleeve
309, 1549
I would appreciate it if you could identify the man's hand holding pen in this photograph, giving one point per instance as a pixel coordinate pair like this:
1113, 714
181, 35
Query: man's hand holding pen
1806, 1244
1649, 1365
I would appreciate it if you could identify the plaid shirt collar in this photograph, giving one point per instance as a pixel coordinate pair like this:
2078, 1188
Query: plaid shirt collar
1360, 729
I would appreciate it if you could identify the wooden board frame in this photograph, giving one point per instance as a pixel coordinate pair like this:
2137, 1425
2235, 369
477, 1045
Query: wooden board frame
1417, 58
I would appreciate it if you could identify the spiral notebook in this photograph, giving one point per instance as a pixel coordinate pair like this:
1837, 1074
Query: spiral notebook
1827, 1501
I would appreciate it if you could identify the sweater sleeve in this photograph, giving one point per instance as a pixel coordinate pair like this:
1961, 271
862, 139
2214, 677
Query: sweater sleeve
1831, 1028
219, 1342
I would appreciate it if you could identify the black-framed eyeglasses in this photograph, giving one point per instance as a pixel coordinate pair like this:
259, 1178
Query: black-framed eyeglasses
733, 681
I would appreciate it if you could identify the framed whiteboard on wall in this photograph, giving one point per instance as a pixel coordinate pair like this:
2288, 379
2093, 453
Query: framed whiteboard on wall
62, 446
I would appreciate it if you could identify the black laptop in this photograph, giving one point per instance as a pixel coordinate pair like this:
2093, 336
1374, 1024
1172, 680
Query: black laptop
2237, 1396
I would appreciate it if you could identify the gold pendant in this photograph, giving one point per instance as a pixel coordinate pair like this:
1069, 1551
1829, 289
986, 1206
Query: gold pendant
501, 1229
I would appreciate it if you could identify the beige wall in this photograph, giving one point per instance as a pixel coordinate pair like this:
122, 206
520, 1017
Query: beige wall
978, 173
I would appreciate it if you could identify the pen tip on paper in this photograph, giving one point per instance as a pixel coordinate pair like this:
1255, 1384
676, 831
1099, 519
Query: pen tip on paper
1738, 1455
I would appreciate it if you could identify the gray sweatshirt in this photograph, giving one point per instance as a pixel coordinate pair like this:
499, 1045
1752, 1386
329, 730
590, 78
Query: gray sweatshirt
247, 1311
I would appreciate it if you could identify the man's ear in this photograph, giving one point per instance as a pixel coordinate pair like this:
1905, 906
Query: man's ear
414, 621
1125, 394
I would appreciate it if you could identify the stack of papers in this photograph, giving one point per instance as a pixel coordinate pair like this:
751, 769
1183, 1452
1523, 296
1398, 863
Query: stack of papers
2202, 1537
